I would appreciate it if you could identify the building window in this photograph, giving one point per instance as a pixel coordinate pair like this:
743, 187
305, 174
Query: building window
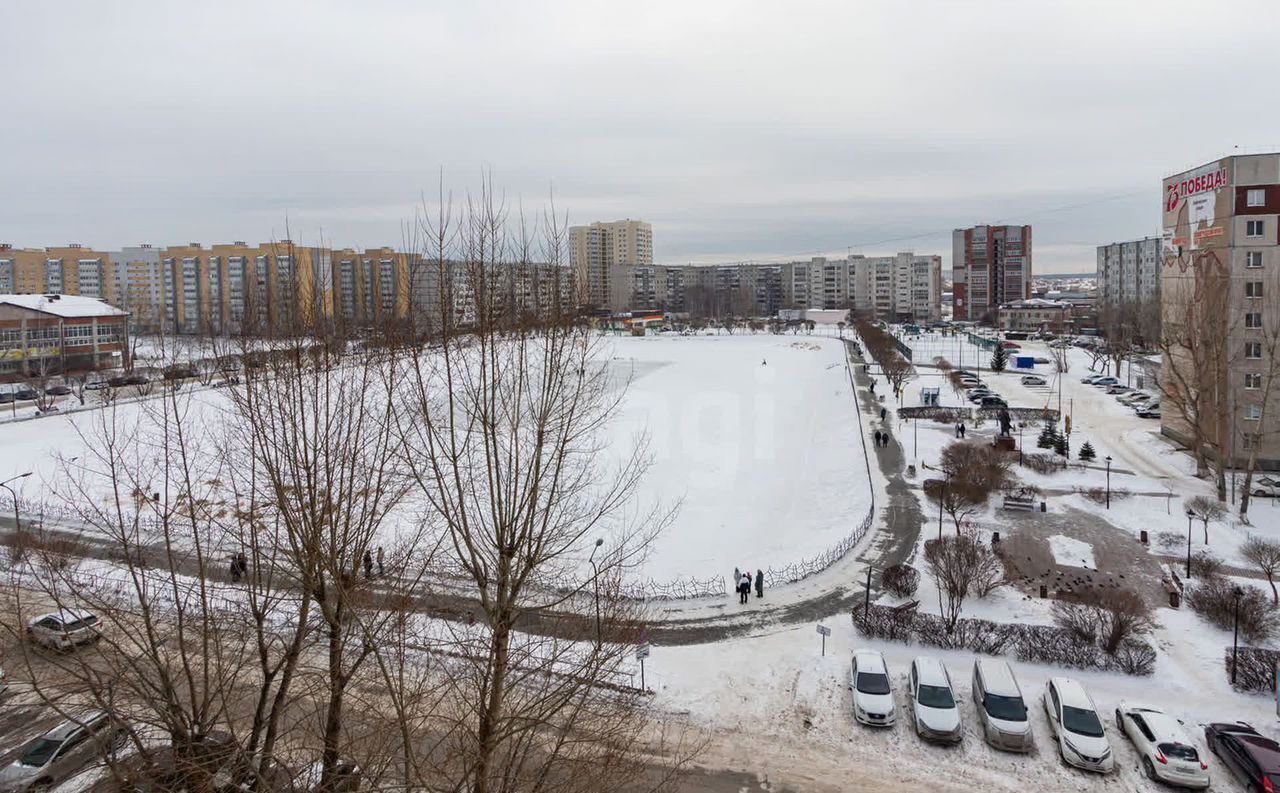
1253, 259
1253, 412
1253, 228
1253, 379
1256, 197
1250, 441
1253, 320
1253, 349
1253, 289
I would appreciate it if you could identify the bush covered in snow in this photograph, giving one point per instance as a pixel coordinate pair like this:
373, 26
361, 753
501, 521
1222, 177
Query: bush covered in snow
1043, 644
1255, 668
1204, 564
1042, 463
901, 580
1214, 599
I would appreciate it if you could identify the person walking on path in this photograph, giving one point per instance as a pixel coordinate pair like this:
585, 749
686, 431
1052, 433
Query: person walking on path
886, 439
381, 569
759, 583
368, 564
877, 439
243, 563
737, 574
744, 586
882, 414
235, 569
962, 429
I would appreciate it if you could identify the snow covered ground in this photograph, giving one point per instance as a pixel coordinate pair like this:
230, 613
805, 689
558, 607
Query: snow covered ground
754, 435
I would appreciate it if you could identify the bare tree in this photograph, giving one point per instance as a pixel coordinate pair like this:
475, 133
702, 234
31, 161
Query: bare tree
1205, 509
1109, 616
1264, 554
955, 563
1260, 388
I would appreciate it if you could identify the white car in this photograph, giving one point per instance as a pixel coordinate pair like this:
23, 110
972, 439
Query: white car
1266, 486
872, 692
933, 702
1034, 379
62, 630
1168, 754
1075, 724
1135, 396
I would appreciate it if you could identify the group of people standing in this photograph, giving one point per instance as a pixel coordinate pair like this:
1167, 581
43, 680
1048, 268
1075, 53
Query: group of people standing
960, 430
744, 580
882, 439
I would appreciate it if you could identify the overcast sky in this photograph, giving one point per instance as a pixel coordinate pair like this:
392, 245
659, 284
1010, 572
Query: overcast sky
739, 130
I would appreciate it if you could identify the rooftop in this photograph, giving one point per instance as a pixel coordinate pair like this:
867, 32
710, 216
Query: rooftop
69, 306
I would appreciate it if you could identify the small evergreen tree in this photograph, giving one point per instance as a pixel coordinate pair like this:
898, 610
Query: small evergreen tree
1048, 436
1087, 454
999, 358
1062, 446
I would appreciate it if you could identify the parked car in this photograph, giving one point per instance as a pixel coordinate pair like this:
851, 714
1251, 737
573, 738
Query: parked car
1134, 396
1002, 712
63, 630
993, 401
1149, 413
1118, 389
1254, 759
1266, 486
872, 690
6, 397
25, 394
1042, 361
1034, 379
97, 385
136, 379
1074, 722
1168, 754
62, 752
57, 390
1008, 345
1090, 378
1105, 381
933, 702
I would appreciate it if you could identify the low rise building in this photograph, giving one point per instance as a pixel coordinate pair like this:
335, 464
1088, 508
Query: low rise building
1036, 315
59, 334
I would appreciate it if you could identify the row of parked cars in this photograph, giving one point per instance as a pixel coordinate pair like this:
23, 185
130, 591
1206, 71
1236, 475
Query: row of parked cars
977, 393
1167, 751
1144, 403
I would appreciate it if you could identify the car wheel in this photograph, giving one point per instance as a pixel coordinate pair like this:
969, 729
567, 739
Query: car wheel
1149, 769
1119, 721
1259, 493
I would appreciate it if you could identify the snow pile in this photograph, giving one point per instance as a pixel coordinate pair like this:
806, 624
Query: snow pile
1072, 552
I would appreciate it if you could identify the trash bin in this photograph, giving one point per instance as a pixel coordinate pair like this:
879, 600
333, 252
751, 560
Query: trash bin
1143, 536
1044, 591
1175, 599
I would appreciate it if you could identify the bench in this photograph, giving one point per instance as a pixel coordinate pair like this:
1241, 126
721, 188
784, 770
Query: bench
1026, 503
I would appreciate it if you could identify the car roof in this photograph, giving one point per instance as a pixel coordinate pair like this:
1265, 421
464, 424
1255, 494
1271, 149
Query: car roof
65, 615
869, 661
1072, 693
1161, 724
72, 724
930, 672
998, 677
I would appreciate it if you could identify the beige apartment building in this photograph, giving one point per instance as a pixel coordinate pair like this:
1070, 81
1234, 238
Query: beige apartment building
1220, 282
602, 255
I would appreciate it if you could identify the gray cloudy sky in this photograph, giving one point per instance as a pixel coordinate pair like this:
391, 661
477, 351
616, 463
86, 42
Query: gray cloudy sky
739, 129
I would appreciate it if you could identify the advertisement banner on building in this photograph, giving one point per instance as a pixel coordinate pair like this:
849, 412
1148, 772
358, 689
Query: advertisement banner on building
1197, 208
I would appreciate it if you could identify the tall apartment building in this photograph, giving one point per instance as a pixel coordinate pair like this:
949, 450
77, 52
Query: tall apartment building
601, 256
68, 270
903, 287
1221, 275
1129, 272
140, 286
990, 265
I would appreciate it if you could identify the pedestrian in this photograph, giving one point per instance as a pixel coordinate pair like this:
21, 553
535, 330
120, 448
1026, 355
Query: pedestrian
243, 564
736, 575
759, 583
882, 414
877, 439
956, 429
381, 569
886, 439
763, 362
368, 564
873, 385
962, 429
744, 586
235, 570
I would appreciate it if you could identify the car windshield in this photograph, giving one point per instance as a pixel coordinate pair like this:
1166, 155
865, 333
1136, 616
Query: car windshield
77, 624
1179, 751
873, 683
936, 697
1081, 721
1005, 708
40, 752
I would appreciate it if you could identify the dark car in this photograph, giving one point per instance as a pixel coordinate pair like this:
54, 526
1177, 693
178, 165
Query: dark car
118, 381
57, 390
1254, 759
136, 379
6, 397
25, 393
993, 402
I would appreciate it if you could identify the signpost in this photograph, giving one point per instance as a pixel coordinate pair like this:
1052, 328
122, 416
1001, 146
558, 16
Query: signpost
642, 652
824, 632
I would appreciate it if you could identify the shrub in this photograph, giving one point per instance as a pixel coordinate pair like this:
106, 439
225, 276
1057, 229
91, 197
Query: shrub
1042, 463
1098, 495
1168, 540
1086, 453
1255, 668
1109, 616
901, 580
1214, 600
1205, 565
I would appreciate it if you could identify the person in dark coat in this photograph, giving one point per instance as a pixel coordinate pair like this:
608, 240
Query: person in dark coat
882, 414
368, 564
759, 583
382, 570
877, 439
243, 563
744, 587
235, 570
962, 429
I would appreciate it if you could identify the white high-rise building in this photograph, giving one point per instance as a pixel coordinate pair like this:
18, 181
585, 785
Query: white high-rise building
601, 256
1129, 272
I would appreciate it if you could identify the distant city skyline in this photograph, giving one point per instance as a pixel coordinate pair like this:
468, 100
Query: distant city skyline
809, 146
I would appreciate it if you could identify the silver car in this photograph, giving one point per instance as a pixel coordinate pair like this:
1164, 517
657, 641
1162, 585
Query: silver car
1002, 711
61, 753
62, 630
933, 702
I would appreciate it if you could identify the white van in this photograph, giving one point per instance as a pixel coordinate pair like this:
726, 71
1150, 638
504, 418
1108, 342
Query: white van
1002, 711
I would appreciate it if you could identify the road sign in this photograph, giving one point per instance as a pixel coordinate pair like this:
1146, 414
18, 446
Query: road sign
642, 651
824, 630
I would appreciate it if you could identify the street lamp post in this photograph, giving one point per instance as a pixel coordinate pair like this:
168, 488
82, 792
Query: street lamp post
1020, 425
1236, 594
595, 580
1108, 481
1190, 515
17, 522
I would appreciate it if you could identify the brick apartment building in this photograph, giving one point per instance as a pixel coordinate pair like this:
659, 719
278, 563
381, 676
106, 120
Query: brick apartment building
990, 266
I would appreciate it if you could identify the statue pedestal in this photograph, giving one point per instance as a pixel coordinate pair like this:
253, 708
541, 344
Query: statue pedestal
1006, 444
